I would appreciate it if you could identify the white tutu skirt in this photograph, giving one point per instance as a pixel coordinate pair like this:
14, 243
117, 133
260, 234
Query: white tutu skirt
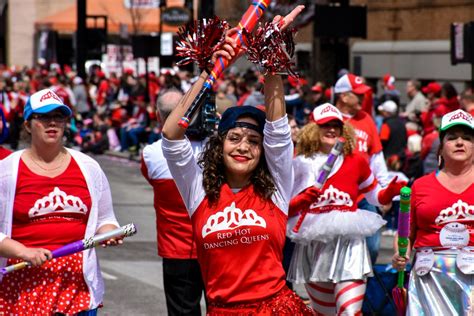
342, 259
328, 226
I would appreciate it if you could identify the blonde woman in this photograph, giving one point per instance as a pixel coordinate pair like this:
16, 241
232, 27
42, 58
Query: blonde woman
331, 256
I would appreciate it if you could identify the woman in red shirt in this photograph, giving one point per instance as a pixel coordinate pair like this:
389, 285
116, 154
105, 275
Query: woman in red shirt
442, 226
237, 198
51, 196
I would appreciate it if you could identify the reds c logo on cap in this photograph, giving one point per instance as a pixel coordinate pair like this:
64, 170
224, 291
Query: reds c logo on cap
358, 80
50, 95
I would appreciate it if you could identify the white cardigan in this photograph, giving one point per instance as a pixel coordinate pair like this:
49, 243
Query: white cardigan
101, 212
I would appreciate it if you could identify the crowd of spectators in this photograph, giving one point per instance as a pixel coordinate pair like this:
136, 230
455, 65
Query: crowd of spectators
116, 113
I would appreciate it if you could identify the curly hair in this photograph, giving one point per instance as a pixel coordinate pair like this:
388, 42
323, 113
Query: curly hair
308, 142
211, 160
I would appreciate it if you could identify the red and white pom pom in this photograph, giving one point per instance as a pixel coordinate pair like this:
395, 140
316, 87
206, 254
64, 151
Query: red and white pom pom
272, 49
198, 40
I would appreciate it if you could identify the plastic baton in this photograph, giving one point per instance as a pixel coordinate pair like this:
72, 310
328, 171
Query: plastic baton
403, 228
323, 174
248, 21
80, 245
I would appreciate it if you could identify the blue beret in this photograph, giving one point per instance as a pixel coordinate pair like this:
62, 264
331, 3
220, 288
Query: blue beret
232, 114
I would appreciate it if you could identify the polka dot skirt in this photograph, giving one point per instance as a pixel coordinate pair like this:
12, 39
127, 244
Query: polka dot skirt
57, 286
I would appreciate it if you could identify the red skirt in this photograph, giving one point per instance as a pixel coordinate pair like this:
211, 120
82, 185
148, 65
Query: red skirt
285, 302
57, 286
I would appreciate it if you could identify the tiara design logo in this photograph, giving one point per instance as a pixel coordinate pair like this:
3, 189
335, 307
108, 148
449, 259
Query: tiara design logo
334, 197
57, 202
231, 218
461, 115
458, 212
49, 95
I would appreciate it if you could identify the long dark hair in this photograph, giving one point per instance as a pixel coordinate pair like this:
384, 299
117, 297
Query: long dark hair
211, 161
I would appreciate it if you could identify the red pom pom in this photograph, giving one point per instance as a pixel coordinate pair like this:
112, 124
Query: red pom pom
198, 40
272, 49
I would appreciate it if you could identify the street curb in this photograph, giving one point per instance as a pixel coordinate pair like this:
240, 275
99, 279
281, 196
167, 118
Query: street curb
123, 155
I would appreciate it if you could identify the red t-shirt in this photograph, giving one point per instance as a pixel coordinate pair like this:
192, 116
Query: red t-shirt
341, 190
433, 206
50, 212
4, 152
173, 225
240, 242
367, 139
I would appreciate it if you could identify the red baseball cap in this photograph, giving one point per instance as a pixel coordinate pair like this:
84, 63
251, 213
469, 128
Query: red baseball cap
325, 113
389, 81
432, 87
317, 88
351, 83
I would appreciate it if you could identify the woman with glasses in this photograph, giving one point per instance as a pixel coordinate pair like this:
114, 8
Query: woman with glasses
237, 196
51, 196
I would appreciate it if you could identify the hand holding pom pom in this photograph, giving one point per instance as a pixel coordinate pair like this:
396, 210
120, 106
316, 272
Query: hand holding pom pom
199, 40
272, 47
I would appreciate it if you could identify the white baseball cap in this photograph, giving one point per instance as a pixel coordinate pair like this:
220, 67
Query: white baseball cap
326, 112
44, 101
351, 83
458, 117
388, 106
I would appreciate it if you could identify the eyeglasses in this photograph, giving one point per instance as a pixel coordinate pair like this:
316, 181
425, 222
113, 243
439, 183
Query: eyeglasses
59, 118
236, 138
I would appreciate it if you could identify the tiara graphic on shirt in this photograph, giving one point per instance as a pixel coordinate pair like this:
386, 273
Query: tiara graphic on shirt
458, 212
230, 218
57, 202
333, 196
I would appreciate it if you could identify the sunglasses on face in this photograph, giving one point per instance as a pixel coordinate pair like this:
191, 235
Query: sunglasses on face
46, 118
332, 125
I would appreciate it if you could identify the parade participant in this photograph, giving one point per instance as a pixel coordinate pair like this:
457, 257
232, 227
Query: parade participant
51, 196
3, 135
238, 201
350, 93
181, 273
331, 255
441, 226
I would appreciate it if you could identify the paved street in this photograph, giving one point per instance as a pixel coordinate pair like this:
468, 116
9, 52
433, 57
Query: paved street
132, 272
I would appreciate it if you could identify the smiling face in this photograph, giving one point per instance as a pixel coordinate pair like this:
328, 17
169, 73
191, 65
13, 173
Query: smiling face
458, 145
328, 135
47, 129
241, 153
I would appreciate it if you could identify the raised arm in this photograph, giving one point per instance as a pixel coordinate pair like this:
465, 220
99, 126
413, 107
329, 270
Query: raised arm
171, 130
274, 98
274, 94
